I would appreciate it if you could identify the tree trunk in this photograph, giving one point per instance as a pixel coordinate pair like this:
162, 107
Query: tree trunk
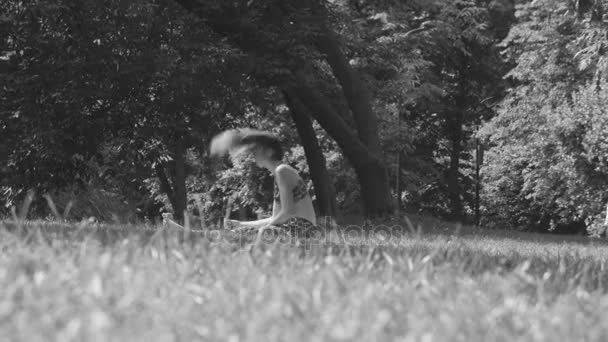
179, 182
375, 191
324, 190
355, 91
165, 186
332, 122
453, 177
373, 176
371, 172
478, 163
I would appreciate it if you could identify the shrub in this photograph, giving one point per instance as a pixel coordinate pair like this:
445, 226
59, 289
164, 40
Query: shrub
548, 168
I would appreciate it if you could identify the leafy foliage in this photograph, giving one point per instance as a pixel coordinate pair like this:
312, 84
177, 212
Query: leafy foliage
547, 161
119, 83
435, 70
553, 176
120, 97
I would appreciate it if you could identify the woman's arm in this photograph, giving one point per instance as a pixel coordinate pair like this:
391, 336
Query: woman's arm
259, 223
278, 215
256, 223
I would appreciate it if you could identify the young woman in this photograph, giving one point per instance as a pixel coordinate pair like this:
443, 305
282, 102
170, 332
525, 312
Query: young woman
292, 206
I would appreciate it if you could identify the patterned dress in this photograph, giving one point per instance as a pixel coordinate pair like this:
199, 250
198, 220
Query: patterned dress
295, 230
299, 192
294, 224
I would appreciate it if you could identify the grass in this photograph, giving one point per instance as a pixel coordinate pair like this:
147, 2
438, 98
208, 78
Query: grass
63, 282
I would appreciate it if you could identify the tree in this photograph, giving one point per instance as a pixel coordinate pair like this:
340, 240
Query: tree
324, 189
123, 81
435, 65
61, 83
282, 36
545, 162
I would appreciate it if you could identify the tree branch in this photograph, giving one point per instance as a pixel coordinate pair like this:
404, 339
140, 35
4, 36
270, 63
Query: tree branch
332, 122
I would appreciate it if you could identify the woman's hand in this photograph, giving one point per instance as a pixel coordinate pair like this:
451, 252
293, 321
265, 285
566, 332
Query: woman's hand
230, 224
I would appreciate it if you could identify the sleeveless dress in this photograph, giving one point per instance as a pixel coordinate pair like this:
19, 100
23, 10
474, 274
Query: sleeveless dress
295, 224
291, 231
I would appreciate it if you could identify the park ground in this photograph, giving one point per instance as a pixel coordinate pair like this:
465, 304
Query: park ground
429, 282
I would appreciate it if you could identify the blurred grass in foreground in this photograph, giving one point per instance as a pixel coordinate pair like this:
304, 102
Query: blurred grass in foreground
66, 282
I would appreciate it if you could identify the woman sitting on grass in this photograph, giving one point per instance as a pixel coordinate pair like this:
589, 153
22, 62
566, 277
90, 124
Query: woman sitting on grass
292, 206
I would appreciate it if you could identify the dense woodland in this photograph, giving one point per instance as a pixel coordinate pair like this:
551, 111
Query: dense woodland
487, 111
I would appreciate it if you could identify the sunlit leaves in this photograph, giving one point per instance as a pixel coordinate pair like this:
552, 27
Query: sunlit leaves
546, 163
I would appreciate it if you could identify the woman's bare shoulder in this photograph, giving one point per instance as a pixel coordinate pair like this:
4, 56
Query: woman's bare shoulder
288, 174
286, 169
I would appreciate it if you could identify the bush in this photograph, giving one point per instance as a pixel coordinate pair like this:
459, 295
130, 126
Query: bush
548, 168
79, 204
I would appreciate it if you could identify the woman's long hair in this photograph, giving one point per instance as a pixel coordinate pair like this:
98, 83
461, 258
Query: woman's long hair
236, 141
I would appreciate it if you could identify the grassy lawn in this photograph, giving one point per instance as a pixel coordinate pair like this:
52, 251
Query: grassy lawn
65, 282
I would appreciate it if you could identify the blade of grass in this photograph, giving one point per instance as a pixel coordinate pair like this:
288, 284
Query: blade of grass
53, 207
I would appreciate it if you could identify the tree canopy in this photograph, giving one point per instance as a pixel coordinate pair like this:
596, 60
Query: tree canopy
460, 109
